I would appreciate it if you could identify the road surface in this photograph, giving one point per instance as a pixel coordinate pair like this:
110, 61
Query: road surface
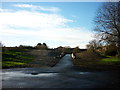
63, 75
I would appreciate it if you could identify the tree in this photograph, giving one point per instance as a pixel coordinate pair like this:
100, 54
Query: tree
42, 46
111, 50
39, 44
107, 24
1, 45
93, 45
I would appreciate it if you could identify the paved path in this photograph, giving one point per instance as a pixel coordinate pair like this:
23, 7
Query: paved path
63, 75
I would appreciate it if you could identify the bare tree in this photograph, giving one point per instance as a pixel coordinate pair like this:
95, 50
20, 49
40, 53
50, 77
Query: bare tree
107, 23
1, 44
93, 45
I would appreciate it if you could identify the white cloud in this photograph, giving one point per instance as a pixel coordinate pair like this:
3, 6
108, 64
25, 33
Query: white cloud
32, 19
24, 5
5, 10
34, 7
29, 28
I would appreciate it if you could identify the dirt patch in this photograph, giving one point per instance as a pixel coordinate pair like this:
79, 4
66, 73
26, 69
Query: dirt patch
44, 58
87, 55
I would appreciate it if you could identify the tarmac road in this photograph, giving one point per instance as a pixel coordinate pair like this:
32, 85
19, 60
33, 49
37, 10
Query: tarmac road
63, 75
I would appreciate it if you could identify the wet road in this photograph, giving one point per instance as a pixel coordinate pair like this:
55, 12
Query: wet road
63, 75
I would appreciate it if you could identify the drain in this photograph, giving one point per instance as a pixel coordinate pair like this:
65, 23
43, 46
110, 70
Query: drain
34, 73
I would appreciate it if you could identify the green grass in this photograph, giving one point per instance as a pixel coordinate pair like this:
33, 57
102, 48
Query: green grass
11, 63
111, 60
95, 61
108, 56
15, 58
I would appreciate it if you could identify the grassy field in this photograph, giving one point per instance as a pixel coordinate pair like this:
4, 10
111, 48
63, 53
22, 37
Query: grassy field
30, 58
92, 60
15, 58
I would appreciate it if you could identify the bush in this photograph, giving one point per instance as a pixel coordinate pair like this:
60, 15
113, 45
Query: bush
111, 52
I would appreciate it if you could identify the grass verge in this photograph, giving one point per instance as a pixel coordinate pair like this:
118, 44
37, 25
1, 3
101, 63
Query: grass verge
92, 60
110, 61
15, 59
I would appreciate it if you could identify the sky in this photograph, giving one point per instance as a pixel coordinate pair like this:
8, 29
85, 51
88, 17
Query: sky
53, 23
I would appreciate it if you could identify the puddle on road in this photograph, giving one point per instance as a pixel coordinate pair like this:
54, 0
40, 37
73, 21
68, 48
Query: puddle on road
19, 74
45, 74
34, 73
8, 75
82, 73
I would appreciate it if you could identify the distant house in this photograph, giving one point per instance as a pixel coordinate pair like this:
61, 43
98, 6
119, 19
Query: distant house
102, 49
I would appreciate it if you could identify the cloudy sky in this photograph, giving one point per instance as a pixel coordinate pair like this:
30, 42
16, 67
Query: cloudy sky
53, 23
